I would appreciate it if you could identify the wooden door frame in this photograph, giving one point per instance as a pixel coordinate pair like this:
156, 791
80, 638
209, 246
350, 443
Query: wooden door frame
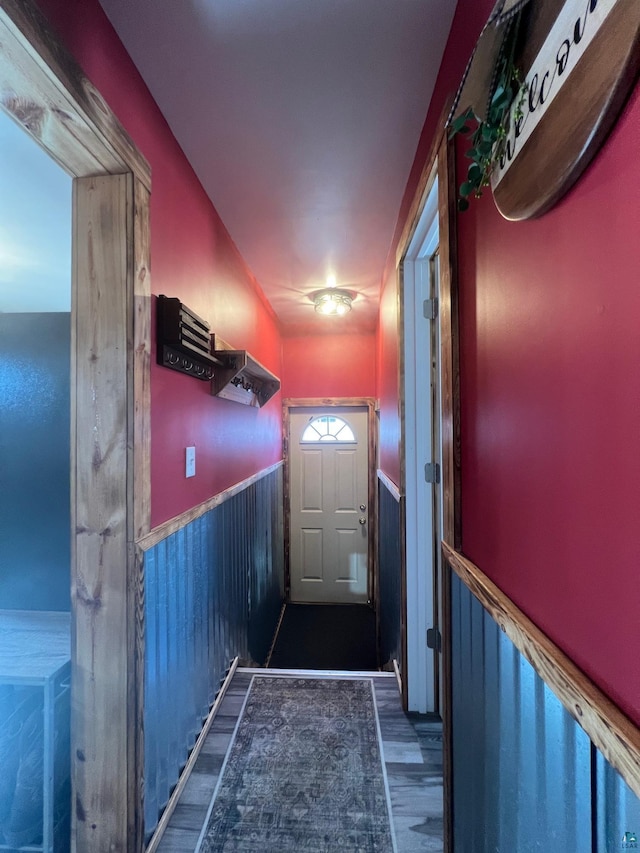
440, 163
369, 404
45, 91
418, 519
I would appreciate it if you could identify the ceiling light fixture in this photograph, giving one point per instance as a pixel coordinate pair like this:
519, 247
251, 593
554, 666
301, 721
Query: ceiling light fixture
333, 302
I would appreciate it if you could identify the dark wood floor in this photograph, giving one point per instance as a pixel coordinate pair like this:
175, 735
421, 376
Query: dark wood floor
413, 759
325, 636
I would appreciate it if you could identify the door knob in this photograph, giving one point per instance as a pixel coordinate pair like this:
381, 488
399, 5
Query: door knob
363, 520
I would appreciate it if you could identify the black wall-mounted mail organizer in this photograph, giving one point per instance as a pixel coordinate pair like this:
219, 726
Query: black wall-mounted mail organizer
183, 339
185, 343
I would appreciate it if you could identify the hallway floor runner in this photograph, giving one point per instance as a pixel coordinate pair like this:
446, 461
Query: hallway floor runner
326, 636
304, 772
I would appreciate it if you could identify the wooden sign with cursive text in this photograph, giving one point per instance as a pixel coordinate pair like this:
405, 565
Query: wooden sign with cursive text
580, 59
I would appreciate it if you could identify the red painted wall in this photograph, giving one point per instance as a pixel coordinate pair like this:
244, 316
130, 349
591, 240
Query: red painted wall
388, 378
550, 394
193, 258
329, 366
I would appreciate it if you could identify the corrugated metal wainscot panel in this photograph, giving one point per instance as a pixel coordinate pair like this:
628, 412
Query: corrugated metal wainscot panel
618, 811
389, 576
521, 765
213, 591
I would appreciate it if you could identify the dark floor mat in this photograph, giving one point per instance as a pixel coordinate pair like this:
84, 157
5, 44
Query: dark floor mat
326, 636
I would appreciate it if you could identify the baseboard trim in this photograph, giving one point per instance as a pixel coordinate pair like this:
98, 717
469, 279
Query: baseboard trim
314, 673
275, 634
396, 670
193, 757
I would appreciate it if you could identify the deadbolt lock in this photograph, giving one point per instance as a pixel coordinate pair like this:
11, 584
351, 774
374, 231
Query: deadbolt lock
362, 507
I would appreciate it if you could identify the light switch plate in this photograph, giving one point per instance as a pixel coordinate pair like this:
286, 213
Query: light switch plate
190, 465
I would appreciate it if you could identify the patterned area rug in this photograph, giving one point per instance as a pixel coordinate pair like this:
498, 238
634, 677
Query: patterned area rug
304, 772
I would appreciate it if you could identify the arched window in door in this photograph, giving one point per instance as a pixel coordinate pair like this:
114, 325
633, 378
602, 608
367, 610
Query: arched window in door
327, 428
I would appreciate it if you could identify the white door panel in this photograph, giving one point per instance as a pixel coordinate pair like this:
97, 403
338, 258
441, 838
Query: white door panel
312, 554
345, 472
328, 531
310, 483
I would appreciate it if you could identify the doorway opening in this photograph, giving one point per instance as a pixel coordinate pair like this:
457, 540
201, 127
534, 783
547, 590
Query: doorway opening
328, 620
35, 524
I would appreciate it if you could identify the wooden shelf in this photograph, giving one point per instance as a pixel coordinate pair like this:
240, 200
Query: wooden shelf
240, 377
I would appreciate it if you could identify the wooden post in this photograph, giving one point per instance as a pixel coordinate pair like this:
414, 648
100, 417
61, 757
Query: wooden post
103, 712
49, 96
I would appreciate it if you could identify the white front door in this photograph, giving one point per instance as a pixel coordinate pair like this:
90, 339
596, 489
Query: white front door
329, 512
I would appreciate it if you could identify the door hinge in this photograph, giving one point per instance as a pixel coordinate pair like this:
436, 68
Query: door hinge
432, 472
430, 309
434, 639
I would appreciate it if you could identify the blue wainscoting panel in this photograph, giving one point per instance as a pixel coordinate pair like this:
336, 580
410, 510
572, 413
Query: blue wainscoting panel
389, 602
521, 765
213, 592
618, 811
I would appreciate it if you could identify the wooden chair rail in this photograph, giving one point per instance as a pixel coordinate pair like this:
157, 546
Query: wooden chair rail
145, 543
611, 731
390, 486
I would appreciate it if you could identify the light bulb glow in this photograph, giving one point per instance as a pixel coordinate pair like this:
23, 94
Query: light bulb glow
332, 302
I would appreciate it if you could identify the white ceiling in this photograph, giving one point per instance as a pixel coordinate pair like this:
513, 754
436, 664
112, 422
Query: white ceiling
301, 118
